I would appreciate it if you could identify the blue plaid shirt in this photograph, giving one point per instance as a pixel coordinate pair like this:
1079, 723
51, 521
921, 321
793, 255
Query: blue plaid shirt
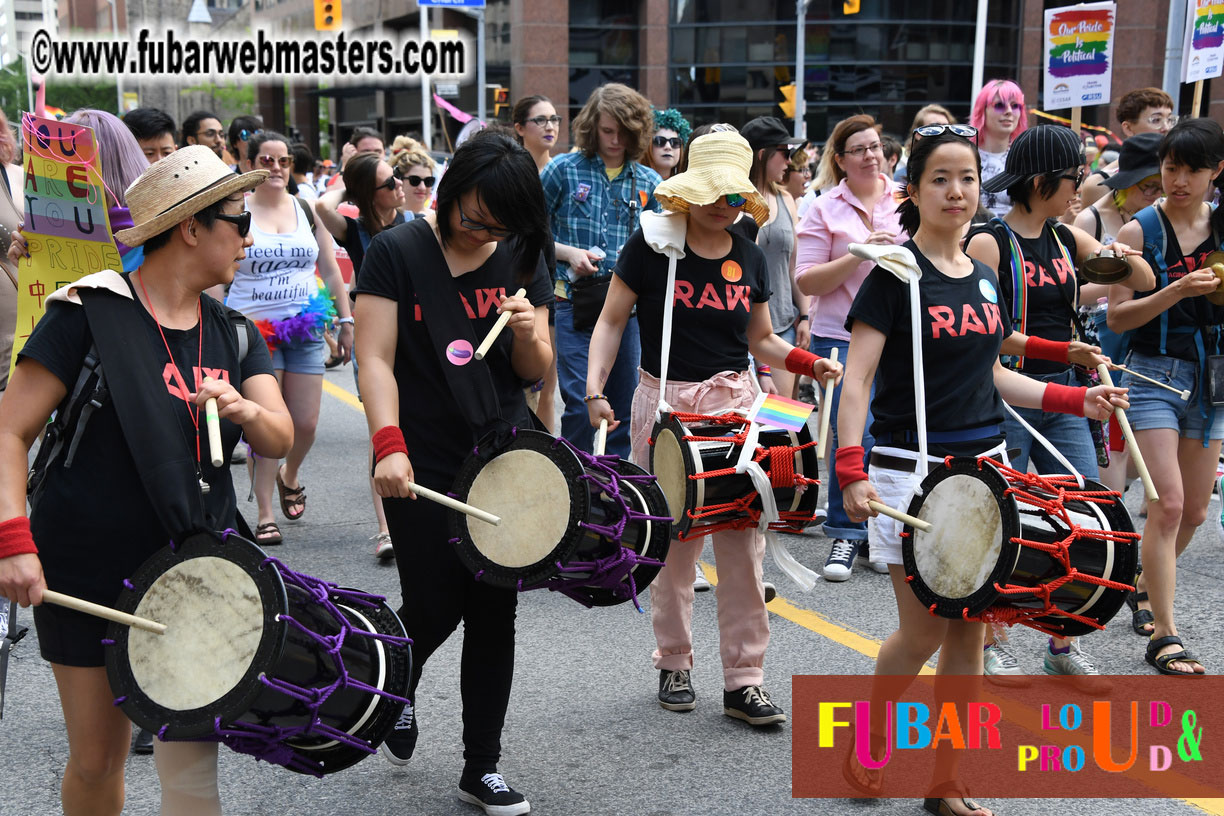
587, 210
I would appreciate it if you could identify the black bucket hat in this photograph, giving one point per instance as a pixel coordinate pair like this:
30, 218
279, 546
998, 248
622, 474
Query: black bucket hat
1137, 161
1040, 149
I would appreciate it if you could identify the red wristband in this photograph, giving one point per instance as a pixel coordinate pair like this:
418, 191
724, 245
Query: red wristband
1041, 349
1063, 399
800, 361
15, 538
849, 465
388, 440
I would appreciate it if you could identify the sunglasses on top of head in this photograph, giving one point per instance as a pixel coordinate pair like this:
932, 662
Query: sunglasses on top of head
242, 221
967, 131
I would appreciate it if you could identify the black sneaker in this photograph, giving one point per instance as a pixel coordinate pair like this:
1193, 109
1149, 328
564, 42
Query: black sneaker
771, 591
752, 705
841, 559
143, 744
400, 744
491, 794
675, 691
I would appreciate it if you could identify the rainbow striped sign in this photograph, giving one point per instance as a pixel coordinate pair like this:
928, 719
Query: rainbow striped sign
1079, 54
1203, 54
780, 412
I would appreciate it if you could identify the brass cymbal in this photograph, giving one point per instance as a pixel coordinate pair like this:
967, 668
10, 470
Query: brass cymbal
1215, 262
1106, 267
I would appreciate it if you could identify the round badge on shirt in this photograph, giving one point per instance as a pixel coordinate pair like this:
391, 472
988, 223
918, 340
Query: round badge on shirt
731, 271
988, 290
459, 352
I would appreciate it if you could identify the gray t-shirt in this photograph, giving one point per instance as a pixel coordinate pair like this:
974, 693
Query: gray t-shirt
777, 241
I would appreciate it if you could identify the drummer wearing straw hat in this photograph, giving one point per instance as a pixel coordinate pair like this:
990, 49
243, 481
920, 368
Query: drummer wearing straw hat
93, 532
720, 314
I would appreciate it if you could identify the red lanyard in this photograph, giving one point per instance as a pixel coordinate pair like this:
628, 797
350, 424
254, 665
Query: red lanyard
194, 414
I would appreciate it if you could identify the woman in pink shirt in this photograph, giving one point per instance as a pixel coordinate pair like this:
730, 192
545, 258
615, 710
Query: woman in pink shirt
861, 208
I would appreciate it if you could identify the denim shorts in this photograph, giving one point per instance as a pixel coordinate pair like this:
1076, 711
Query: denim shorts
787, 334
299, 357
1153, 407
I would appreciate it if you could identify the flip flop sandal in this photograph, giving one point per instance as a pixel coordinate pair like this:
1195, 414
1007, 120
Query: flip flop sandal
332, 362
268, 534
291, 497
1140, 617
936, 804
1161, 662
874, 787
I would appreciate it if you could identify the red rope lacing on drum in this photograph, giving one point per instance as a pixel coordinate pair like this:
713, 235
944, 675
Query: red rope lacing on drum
1062, 489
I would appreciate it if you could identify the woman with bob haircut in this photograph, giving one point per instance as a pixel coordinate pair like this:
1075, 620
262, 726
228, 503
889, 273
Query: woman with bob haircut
536, 127
999, 116
413, 276
93, 533
1175, 328
671, 134
964, 402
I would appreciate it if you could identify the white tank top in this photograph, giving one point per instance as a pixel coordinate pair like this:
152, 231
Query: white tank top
277, 277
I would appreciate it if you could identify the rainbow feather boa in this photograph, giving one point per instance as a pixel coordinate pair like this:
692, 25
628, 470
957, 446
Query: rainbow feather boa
306, 325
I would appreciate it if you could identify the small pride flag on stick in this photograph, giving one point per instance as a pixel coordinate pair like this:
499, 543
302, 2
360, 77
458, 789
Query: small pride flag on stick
780, 412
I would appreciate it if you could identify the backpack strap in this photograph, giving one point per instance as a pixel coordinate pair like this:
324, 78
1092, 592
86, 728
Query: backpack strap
1154, 244
1010, 247
308, 212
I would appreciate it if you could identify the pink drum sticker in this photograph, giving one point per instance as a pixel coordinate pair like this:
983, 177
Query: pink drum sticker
459, 352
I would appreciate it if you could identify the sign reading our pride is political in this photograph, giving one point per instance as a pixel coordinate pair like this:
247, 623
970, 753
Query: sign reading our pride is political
1078, 55
67, 227
1203, 55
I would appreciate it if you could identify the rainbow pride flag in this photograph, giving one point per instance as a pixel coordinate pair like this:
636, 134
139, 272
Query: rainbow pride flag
780, 412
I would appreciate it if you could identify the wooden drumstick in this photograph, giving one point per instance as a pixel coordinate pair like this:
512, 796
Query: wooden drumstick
1136, 455
601, 437
454, 504
904, 518
826, 407
487, 343
1185, 395
214, 429
104, 612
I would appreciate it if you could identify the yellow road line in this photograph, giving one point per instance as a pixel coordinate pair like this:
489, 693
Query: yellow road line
347, 397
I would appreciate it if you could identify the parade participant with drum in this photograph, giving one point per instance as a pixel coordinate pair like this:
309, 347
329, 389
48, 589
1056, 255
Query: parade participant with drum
961, 320
428, 292
92, 532
721, 313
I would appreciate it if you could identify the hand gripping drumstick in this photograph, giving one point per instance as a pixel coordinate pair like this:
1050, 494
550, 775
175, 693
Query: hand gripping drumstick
601, 437
105, 612
904, 518
826, 407
1185, 395
496, 330
1132, 445
214, 429
454, 504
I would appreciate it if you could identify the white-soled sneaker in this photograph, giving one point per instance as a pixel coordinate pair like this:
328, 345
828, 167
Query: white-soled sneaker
1077, 663
841, 560
401, 742
700, 582
1001, 667
491, 794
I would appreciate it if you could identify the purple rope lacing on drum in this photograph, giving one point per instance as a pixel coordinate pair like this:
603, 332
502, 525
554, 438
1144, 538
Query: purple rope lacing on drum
270, 743
614, 572
129, 584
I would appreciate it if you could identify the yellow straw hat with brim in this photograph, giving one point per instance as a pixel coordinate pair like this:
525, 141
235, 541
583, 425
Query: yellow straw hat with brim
177, 187
718, 165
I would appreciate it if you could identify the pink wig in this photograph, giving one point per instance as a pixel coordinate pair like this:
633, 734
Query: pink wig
1007, 91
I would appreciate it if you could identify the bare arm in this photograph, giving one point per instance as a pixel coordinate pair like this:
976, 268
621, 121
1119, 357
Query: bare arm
327, 208
531, 351
767, 347
862, 359
329, 271
377, 321
605, 342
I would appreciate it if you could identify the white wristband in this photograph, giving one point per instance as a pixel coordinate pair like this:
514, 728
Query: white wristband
345, 320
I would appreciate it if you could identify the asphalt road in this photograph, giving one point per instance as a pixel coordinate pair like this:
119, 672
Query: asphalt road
584, 733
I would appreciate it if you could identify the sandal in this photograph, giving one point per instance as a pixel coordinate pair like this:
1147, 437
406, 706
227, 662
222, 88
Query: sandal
1140, 617
268, 534
1161, 662
332, 362
851, 769
937, 803
290, 497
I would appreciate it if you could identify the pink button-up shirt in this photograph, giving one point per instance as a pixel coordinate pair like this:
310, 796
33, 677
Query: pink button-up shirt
832, 223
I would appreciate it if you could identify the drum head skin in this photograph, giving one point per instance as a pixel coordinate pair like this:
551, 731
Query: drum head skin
535, 486
672, 464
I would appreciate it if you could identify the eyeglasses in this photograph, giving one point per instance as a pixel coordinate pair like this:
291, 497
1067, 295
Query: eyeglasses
1160, 120
413, 181
245, 135
242, 221
283, 161
860, 150
211, 133
389, 184
735, 200
668, 141
1149, 188
541, 121
967, 131
476, 226
1006, 107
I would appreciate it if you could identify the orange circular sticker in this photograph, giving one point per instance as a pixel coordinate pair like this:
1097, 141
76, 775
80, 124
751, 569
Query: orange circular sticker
731, 271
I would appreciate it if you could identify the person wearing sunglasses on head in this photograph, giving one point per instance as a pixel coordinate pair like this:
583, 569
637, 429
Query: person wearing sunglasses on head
1146, 110
94, 519
276, 287
536, 127
666, 151
1000, 117
415, 170
859, 207
1037, 260
240, 132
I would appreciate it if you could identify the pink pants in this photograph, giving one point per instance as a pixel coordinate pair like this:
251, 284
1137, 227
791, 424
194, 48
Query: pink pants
743, 621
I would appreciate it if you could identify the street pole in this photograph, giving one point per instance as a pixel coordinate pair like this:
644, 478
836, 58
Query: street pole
800, 107
481, 92
1176, 28
979, 50
426, 102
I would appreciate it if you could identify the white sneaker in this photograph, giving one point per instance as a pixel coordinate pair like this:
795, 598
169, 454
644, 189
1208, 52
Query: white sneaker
700, 584
876, 566
1001, 667
841, 560
1078, 664
382, 546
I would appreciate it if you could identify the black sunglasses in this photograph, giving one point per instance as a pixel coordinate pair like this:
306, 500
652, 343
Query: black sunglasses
389, 184
242, 222
1077, 176
414, 181
668, 141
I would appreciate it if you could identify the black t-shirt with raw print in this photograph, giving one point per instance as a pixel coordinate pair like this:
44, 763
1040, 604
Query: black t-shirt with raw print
437, 435
713, 303
1051, 285
962, 329
94, 524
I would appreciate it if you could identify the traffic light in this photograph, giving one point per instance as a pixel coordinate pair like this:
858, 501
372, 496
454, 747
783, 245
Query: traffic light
850, 7
501, 99
327, 15
788, 100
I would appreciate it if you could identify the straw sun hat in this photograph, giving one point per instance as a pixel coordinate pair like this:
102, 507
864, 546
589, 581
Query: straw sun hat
177, 187
718, 165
